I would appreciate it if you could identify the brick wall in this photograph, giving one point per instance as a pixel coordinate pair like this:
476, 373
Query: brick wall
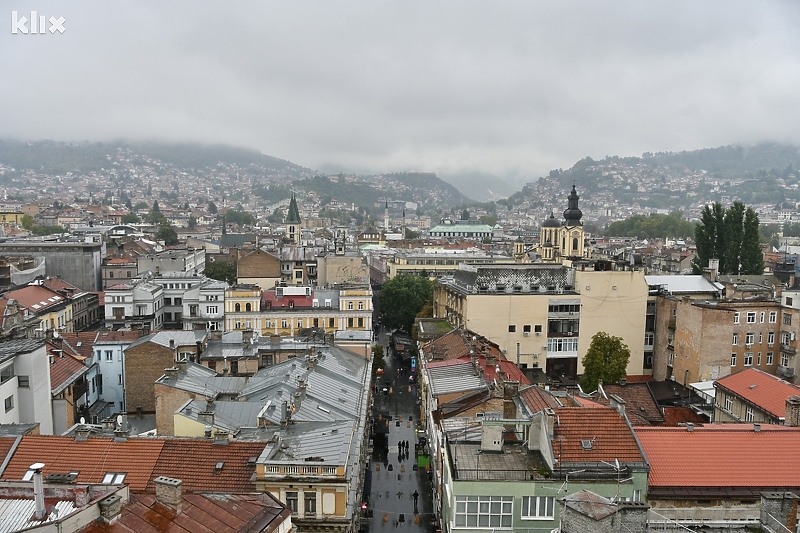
144, 364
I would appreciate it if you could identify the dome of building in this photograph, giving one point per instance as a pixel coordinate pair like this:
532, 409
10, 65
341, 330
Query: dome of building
551, 222
573, 215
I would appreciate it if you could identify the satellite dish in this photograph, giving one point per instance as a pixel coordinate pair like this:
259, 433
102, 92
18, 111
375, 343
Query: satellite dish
616, 463
55, 334
83, 420
119, 420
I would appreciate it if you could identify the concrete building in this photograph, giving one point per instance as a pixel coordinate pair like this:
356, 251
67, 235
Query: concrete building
136, 305
341, 269
544, 316
77, 263
189, 261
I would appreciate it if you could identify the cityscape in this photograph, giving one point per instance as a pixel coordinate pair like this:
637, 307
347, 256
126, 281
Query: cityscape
350, 268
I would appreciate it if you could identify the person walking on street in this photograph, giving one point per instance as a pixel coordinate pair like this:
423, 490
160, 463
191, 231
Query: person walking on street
415, 495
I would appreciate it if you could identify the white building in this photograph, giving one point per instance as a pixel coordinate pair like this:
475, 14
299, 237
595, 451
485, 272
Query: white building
25, 384
136, 305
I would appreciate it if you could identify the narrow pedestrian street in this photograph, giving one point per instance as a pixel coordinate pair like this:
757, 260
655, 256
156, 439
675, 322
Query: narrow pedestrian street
398, 483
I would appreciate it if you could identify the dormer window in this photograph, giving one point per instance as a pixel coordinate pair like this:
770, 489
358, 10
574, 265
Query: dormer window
291, 304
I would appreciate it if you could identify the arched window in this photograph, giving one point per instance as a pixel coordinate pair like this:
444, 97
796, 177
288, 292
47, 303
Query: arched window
237, 307
248, 307
575, 244
350, 306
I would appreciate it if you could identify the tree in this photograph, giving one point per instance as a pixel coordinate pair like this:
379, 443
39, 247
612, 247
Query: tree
378, 360
166, 233
730, 235
221, 271
130, 218
402, 298
212, 208
192, 222
465, 214
27, 222
606, 360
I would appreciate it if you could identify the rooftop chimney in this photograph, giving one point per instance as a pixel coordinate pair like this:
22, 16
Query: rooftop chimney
82, 433
169, 492
110, 508
792, 416
756, 427
172, 344
38, 489
689, 426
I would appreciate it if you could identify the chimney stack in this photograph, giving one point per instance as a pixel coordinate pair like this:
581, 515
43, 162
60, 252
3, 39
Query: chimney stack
792, 416
38, 489
110, 508
169, 492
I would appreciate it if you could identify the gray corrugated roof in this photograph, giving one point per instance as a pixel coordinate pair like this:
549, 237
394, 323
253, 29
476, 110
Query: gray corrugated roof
452, 378
683, 284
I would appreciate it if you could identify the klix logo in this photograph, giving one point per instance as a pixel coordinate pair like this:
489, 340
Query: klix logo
38, 24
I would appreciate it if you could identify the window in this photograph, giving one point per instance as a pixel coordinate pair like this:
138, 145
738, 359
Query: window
786, 338
748, 359
526, 328
784, 359
248, 307
751, 317
769, 358
728, 402
562, 344
749, 339
298, 274
537, 507
773, 317
758, 361
237, 308
537, 328
6, 373
299, 323
350, 322
748, 414
512, 328
113, 478
789, 300
310, 502
649, 338
167, 301
23, 381
761, 316
284, 323
735, 339
637, 495
109, 355
771, 338
787, 319
212, 309
760, 338
119, 379
349, 306
9, 403
291, 501
736, 317
331, 322
733, 359
360, 322
360, 306
484, 511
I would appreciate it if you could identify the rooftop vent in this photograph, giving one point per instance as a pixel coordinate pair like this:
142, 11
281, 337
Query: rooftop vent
586, 444
689, 426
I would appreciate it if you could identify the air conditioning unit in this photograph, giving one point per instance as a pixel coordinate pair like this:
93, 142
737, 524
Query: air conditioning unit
526, 333
792, 335
536, 356
538, 333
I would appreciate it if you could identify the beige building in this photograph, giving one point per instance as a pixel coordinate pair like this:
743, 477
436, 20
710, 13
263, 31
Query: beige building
545, 315
341, 268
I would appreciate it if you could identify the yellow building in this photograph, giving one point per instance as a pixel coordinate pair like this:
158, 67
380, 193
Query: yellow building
559, 241
545, 315
287, 310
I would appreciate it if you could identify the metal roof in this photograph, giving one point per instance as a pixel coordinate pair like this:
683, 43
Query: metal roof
454, 376
683, 284
18, 514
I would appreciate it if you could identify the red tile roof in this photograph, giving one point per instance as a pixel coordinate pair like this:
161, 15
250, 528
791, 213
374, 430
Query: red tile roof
537, 399
92, 458
201, 474
463, 344
59, 285
64, 370
610, 435
200, 513
142, 460
81, 342
723, 455
764, 390
640, 404
35, 298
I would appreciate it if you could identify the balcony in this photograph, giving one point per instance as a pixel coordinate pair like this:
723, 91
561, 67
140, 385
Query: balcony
785, 348
785, 371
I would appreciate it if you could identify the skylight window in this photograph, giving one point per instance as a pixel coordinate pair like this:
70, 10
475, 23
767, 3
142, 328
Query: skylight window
113, 478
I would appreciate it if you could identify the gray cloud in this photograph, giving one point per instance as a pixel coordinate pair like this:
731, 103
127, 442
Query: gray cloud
513, 87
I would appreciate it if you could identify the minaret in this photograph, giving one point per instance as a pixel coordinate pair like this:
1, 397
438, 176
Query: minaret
571, 242
293, 223
572, 215
386, 217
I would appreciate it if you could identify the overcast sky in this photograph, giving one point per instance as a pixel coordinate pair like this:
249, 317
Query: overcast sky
513, 88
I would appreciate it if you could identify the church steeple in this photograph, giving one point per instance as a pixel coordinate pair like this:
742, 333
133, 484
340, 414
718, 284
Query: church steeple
573, 215
293, 222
